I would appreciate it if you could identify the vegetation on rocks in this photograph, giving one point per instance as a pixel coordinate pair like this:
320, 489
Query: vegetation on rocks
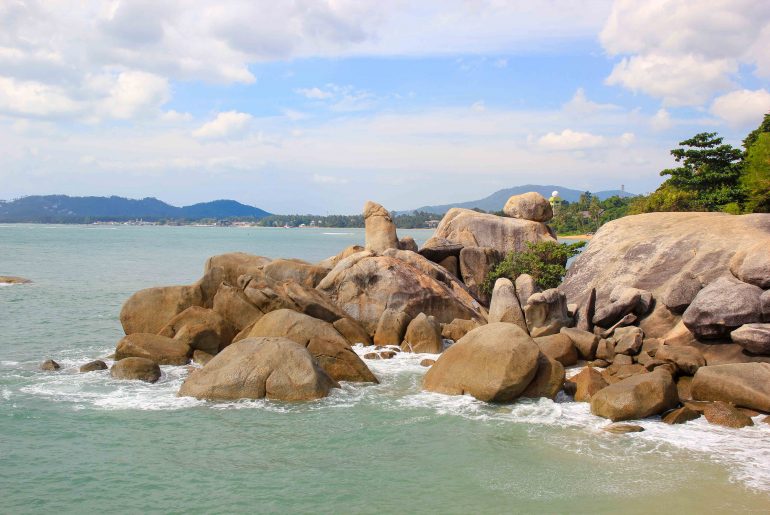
545, 261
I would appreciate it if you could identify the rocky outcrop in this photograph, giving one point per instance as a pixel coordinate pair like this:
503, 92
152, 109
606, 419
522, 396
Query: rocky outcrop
742, 384
423, 335
504, 306
236, 264
493, 363
548, 381
721, 307
380, 229
472, 229
559, 347
200, 328
391, 327
475, 265
546, 313
256, 368
148, 310
635, 397
136, 369
755, 338
529, 206
160, 349
752, 265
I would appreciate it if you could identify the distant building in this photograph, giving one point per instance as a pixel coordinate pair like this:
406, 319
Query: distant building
432, 224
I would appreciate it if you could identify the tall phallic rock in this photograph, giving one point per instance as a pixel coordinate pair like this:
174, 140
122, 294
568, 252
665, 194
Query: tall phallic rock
380, 229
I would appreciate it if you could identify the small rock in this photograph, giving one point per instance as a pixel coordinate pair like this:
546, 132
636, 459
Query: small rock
141, 369
755, 338
605, 350
427, 362
588, 382
50, 365
620, 429
724, 414
680, 415
12, 279
93, 366
559, 347
721, 307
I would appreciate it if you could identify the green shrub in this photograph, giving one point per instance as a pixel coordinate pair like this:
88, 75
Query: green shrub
545, 261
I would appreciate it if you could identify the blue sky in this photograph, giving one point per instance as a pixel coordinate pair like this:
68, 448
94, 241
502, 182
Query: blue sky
318, 106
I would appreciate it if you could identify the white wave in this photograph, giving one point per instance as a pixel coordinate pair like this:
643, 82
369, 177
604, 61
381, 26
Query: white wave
337, 233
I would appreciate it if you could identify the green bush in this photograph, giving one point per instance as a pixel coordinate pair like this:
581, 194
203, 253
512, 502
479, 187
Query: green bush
545, 261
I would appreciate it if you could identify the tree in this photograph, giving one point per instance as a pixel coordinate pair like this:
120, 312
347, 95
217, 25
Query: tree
545, 261
756, 174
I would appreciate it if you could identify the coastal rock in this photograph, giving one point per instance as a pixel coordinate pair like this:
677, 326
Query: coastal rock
605, 350
364, 286
525, 288
235, 307
546, 313
391, 327
271, 296
427, 362
636, 397
380, 229
626, 302
200, 328
472, 229
475, 265
423, 334
721, 307
407, 243
504, 306
529, 206
628, 340
13, 279
743, 384
136, 369
236, 264
160, 349
559, 347
331, 262
680, 292
493, 363
457, 328
727, 415
755, 338
148, 310
256, 368
93, 366
752, 265
622, 429
439, 249
584, 341
548, 380
201, 358
50, 365
764, 300
687, 359
282, 270
352, 331
589, 382
451, 265
624, 292
680, 415
684, 388
585, 312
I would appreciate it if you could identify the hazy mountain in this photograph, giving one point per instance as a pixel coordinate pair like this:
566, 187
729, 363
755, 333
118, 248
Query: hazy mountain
66, 209
497, 200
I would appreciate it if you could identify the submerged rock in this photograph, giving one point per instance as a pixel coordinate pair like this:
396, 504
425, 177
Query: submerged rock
13, 279
160, 349
136, 369
93, 366
50, 365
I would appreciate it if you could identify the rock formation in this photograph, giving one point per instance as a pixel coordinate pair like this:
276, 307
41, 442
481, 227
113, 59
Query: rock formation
380, 229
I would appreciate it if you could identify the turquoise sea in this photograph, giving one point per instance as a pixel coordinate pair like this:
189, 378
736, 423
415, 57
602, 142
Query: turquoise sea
84, 443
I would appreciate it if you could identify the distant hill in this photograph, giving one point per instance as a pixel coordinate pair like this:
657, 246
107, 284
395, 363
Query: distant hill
497, 200
66, 209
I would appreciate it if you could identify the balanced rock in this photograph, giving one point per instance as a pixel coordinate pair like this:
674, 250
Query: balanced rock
529, 206
148, 310
423, 335
727, 415
546, 313
200, 328
752, 265
160, 349
493, 363
256, 368
50, 365
721, 307
548, 381
504, 306
635, 397
136, 369
743, 384
380, 229
93, 366
755, 338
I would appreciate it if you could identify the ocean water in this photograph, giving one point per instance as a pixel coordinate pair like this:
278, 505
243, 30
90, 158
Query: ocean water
84, 443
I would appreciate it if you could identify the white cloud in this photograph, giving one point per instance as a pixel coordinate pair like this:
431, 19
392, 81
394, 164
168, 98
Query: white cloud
661, 121
134, 93
35, 99
580, 105
685, 51
227, 125
314, 93
478, 107
570, 140
742, 108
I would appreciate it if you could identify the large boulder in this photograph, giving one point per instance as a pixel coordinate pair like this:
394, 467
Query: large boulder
380, 229
439, 249
136, 369
13, 279
493, 363
201, 329
235, 307
635, 397
236, 264
526, 286
755, 338
546, 313
458, 328
256, 368
296, 271
687, 359
391, 327
548, 380
727, 415
332, 261
742, 384
505, 304
721, 307
148, 310
473, 229
423, 334
364, 286
752, 265
529, 206
352, 331
475, 265
269, 296
680, 292
585, 342
160, 349
652, 251
559, 347
587, 384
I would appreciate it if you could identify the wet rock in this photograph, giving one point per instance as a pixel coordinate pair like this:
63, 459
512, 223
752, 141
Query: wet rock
256, 368
93, 366
160, 349
200, 328
505, 304
136, 369
589, 382
50, 365
546, 313
755, 338
548, 380
391, 328
743, 384
13, 279
423, 335
558, 347
493, 363
687, 359
380, 229
427, 362
635, 397
620, 429
201, 358
727, 415
680, 415
721, 307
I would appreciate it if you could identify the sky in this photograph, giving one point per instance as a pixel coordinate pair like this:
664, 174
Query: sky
303, 106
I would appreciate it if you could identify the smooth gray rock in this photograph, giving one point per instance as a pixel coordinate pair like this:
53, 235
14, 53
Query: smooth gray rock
680, 292
721, 307
755, 338
752, 265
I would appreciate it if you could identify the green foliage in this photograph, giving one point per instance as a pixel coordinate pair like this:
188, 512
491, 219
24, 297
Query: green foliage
756, 173
666, 198
545, 261
414, 221
588, 214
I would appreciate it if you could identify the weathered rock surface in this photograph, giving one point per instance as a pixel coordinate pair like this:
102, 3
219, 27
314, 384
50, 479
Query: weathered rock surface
628, 340
755, 338
721, 307
200, 328
332, 261
752, 265
764, 300
584, 315
742, 384
201, 358
352, 331
93, 366
458, 328
529, 206
137, 369
423, 334
451, 265
236, 264
546, 313
472, 229
584, 341
589, 382
504, 306
380, 229
305, 274
256, 368
407, 243
50, 365
269, 296
635, 397
493, 363
559, 347
687, 359
622, 429
391, 327
680, 415
148, 310
475, 265
548, 380
525, 288
439, 249
235, 307
627, 301
160, 349
727, 415
680, 292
